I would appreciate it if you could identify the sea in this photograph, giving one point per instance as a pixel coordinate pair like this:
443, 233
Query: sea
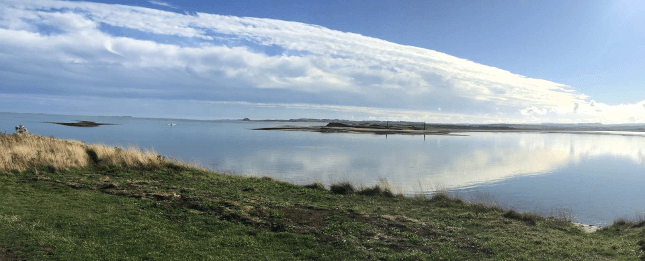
594, 178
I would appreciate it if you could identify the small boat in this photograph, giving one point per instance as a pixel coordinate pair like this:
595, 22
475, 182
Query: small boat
171, 124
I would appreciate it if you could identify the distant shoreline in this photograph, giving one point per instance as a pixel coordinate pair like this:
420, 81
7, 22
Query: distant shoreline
453, 130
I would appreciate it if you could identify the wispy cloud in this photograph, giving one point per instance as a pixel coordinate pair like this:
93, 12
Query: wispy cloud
79, 48
162, 4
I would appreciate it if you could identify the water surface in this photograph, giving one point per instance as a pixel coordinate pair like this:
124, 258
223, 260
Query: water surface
597, 177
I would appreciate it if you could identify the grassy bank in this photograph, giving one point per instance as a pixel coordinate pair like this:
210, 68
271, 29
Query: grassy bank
65, 200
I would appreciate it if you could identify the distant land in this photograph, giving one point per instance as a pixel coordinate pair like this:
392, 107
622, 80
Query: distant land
421, 128
84, 124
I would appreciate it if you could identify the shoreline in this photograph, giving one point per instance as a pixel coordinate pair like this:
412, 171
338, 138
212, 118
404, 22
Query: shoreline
586, 227
457, 130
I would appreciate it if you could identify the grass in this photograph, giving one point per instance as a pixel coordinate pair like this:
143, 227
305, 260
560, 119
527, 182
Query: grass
147, 207
22, 151
342, 188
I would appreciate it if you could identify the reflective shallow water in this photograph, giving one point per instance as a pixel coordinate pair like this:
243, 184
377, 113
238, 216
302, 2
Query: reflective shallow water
597, 177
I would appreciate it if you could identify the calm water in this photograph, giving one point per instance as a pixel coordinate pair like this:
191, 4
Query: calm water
598, 177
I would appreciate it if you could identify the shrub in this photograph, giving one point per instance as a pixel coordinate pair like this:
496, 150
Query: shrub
316, 185
376, 191
527, 217
93, 157
440, 197
343, 188
620, 222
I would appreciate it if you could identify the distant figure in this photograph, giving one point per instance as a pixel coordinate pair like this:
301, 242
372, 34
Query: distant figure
20, 129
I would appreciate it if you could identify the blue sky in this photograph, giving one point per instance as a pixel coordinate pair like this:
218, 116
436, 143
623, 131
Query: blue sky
450, 61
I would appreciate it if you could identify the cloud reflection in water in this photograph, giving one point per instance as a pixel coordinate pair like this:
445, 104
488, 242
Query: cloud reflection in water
441, 161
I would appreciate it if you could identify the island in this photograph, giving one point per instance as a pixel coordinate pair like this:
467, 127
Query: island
81, 123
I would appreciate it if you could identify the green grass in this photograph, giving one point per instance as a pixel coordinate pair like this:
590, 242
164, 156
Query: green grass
175, 212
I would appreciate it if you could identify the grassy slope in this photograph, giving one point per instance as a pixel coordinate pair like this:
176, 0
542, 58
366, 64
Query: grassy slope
73, 201
174, 212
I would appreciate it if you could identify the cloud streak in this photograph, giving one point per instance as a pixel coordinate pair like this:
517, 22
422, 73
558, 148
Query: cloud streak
117, 51
162, 4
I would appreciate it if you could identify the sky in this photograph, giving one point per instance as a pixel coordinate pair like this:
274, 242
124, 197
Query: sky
432, 61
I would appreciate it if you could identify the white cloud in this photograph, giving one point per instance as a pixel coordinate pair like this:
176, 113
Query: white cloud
374, 113
227, 57
533, 111
162, 4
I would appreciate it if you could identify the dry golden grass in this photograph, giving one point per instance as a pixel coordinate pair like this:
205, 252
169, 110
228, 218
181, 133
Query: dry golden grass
22, 151
130, 156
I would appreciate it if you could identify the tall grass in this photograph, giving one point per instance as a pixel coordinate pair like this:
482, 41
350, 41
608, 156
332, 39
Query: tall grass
130, 156
429, 188
382, 188
638, 220
23, 151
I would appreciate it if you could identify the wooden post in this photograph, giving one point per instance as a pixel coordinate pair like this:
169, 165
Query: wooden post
424, 131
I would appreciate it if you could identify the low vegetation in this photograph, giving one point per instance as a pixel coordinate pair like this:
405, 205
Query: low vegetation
21, 151
65, 200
